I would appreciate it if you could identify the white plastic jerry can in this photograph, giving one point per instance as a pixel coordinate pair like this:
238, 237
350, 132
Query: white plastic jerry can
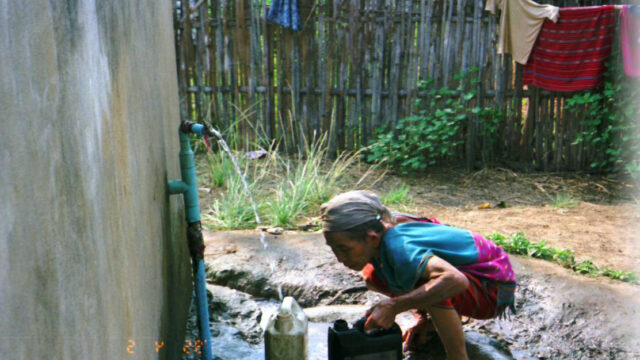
285, 337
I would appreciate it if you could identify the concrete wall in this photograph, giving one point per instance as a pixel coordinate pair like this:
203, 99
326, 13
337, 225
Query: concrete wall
92, 252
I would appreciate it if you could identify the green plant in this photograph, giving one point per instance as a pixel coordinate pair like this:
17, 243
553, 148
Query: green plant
233, 210
564, 201
396, 196
586, 267
285, 188
519, 244
219, 166
626, 276
292, 195
609, 132
307, 182
433, 133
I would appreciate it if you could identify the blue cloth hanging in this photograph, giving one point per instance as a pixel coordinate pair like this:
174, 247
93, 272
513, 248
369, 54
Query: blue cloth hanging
285, 13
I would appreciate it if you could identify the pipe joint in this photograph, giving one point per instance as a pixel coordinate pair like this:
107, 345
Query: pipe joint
178, 187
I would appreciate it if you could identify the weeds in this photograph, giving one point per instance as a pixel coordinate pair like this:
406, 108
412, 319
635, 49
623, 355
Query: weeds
218, 169
396, 196
564, 201
519, 244
233, 210
285, 188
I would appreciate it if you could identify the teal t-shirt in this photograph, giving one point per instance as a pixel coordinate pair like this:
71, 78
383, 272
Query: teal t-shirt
406, 248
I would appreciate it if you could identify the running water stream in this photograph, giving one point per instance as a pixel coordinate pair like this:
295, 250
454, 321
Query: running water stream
263, 238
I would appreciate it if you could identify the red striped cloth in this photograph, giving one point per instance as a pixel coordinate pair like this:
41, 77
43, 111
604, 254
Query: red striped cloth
570, 55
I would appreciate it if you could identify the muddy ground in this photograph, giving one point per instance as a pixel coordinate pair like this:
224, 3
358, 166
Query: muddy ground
560, 314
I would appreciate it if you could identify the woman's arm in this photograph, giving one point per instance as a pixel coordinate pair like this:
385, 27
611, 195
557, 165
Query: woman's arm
443, 282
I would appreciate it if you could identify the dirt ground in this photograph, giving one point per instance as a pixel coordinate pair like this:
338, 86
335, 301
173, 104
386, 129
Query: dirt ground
601, 225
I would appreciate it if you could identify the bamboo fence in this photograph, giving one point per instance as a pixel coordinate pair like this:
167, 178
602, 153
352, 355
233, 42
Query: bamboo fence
354, 67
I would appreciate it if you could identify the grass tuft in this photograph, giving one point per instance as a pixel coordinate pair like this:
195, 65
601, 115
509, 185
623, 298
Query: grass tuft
396, 196
564, 201
219, 167
286, 188
233, 210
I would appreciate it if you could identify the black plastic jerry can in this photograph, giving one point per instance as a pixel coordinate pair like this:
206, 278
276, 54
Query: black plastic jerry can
353, 344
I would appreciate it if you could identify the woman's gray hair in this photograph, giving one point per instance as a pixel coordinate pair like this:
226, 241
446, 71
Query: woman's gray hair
353, 208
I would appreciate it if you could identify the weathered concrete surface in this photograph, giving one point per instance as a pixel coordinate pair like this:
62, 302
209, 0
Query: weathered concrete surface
305, 268
560, 314
92, 254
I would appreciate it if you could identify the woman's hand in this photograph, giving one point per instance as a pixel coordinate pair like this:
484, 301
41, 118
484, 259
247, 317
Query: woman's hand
382, 315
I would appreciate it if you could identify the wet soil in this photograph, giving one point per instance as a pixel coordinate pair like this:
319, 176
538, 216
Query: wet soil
560, 315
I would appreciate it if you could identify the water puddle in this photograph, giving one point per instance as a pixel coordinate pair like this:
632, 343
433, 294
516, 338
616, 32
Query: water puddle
229, 343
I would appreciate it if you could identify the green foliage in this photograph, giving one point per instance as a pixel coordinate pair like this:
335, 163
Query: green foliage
519, 244
564, 201
433, 133
626, 276
306, 182
608, 120
233, 210
297, 192
219, 167
285, 189
396, 196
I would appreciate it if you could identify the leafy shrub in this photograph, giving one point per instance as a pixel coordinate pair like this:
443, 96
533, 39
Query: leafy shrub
433, 133
608, 120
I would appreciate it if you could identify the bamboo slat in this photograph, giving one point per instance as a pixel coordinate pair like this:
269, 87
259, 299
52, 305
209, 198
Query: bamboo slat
396, 48
268, 73
377, 59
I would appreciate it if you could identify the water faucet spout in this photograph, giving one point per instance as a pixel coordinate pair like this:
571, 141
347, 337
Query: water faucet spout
190, 127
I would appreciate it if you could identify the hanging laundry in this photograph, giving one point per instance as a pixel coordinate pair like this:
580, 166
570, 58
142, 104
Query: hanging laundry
285, 13
520, 23
570, 55
630, 39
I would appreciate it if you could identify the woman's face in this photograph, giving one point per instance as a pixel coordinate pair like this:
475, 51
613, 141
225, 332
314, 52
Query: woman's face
352, 253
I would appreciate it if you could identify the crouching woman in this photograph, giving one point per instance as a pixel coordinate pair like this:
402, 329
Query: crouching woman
420, 264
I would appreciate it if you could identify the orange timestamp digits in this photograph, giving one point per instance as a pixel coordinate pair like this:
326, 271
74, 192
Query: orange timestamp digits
159, 346
132, 344
195, 346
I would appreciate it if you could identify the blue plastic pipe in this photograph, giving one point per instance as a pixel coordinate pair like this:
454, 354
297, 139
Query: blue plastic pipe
187, 186
189, 189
